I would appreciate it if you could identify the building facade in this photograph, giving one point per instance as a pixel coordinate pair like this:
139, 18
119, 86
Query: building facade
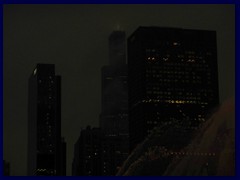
173, 77
88, 151
97, 153
114, 113
101, 151
46, 150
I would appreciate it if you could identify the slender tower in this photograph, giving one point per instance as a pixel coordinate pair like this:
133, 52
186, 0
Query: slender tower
46, 149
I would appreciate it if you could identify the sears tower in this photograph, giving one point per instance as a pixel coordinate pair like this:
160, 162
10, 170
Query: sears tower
46, 148
114, 116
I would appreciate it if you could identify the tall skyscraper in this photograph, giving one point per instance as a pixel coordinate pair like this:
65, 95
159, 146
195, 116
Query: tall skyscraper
114, 115
117, 48
45, 146
101, 151
173, 77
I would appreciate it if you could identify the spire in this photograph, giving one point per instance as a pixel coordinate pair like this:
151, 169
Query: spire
118, 27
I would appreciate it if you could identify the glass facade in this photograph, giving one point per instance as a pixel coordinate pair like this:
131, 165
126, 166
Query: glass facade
172, 76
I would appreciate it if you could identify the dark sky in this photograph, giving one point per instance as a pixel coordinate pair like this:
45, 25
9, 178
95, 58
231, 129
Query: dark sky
75, 39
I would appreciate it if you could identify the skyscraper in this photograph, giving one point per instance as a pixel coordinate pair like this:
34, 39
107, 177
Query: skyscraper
88, 151
114, 115
173, 77
45, 146
101, 151
117, 48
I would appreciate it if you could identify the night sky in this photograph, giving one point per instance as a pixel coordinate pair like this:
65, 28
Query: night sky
75, 39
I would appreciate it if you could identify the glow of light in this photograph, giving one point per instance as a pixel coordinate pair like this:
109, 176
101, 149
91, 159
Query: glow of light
35, 71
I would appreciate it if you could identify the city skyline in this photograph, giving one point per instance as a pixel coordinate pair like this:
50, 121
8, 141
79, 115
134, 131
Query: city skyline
43, 44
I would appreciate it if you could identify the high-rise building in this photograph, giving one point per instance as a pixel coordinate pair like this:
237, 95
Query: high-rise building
46, 150
117, 48
101, 151
173, 77
114, 115
88, 151
97, 153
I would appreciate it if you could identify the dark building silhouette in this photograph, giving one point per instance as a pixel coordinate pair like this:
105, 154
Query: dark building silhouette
101, 151
88, 151
117, 48
114, 115
6, 168
173, 77
97, 153
115, 152
46, 150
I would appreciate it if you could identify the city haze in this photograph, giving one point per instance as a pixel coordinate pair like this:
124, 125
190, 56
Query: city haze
75, 39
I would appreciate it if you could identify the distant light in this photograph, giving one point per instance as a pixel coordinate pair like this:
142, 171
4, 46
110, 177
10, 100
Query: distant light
35, 71
175, 43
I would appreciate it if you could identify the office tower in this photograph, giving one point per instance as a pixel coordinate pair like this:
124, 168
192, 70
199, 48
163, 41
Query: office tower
97, 153
173, 79
114, 115
88, 151
117, 48
101, 151
6, 168
45, 152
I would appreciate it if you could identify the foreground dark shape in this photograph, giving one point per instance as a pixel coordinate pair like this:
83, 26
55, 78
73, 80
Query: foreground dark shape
210, 153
